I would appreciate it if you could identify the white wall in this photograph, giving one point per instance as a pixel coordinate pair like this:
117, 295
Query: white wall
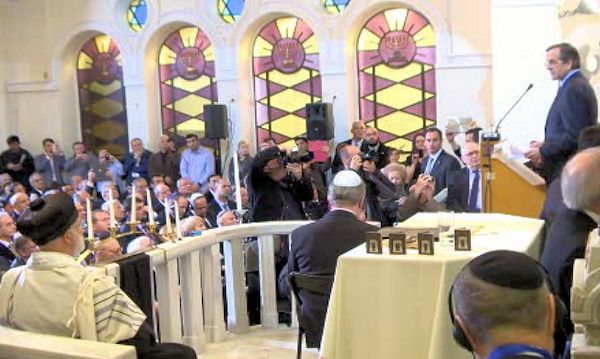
40, 73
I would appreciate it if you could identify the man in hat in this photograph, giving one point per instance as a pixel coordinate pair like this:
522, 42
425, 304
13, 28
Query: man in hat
501, 307
52, 294
316, 246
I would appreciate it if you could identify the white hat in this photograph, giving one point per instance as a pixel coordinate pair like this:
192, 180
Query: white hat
347, 178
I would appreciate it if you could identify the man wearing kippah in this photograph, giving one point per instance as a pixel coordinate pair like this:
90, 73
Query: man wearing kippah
501, 307
316, 246
53, 294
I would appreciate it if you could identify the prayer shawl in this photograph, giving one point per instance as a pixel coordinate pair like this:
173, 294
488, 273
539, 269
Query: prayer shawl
55, 295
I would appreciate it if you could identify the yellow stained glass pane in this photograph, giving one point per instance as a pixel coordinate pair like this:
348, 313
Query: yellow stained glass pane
288, 80
425, 37
262, 48
290, 125
105, 90
287, 26
399, 96
190, 126
102, 43
191, 85
166, 56
396, 75
310, 45
106, 108
221, 6
209, 53
191, 105
289, 100
396, 18
289, 144
84, 62
368, 41
109, 130
399, 123
400, 143
188, 36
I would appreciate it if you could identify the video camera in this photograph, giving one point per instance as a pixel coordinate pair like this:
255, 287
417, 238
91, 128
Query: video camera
299, 156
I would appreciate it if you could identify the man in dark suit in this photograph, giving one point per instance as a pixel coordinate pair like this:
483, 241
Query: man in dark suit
438, 163
136, 162
358, 135
464, 187
574, 107
7, 231
221, 201
50, 163
316, 246
375, 148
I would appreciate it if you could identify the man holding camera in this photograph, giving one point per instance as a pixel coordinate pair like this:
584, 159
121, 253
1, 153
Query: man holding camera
374, 148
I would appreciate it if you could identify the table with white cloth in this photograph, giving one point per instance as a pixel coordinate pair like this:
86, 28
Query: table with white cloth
396, 306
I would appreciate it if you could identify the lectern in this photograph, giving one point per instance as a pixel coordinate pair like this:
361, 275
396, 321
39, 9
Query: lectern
508, 186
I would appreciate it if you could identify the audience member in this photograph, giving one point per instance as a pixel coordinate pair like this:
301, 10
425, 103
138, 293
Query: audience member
464, 186
438, 163
50, 163
118, 208
183, 205
185, 186
200, 209
19, 203
81, 162
244, 163
110, 169
7, 231
419, 199
358, 134
393, 155
38, 186
24, 247
16, 161
197, 163
226, 218
54, 226
414, 161
192, 226
472, 135
221, 201
373, 147
396, 174
316, 246
164, 162
136, 162
212, 185
501, 307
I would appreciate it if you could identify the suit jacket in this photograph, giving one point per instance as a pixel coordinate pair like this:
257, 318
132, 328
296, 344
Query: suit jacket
315, 249
164, 164
214, 209
6, 258
458, 191
565, 241
132, 169
382, 154
574, 107
442, 169
44, 167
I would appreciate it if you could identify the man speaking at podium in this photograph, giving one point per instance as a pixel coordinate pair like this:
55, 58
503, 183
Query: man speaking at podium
574, 108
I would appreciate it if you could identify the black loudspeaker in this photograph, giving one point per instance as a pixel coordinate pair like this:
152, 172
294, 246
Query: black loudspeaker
215, 121
319, 121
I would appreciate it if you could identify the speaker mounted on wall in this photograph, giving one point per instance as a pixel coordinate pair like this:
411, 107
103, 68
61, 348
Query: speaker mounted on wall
215, 121
319, 121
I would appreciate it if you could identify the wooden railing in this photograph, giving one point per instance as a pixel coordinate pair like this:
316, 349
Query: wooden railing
190, 290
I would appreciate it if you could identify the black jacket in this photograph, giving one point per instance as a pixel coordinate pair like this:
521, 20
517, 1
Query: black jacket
442, 169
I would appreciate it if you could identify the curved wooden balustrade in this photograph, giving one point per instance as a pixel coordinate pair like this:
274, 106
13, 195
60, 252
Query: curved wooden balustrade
189, 287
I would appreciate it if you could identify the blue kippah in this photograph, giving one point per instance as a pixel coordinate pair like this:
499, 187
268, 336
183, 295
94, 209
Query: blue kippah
508, 269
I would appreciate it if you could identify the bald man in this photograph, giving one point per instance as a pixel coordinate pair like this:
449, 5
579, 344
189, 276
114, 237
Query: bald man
464, 186
358, 134
375, 148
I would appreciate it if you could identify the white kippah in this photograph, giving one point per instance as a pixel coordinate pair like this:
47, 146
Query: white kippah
347, 178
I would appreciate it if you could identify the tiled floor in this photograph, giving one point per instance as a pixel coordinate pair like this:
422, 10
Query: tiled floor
259, 344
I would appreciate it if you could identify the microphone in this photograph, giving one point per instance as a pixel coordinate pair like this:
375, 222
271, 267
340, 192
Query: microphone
495, 135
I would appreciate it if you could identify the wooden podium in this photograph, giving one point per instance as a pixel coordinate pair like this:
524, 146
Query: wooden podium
508, 186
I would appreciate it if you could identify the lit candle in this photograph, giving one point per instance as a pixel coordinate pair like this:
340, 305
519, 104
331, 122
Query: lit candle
236, 175
168, 218
177, 222
111, 209
90, 225
133, 207
150, 209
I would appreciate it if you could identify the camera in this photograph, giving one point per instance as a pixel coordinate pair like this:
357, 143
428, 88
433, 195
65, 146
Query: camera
298, 156
369, 156
107, 157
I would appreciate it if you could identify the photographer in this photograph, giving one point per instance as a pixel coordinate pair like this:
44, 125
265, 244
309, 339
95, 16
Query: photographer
419, 199
316, 208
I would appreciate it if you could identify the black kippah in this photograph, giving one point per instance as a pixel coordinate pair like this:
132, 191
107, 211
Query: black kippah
508, 269
266, 155
47, 218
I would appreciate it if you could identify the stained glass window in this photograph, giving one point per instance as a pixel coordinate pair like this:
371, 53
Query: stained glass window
102, 96
230, 10
137, 14
396, 57
335, 6
187, 83
286, 78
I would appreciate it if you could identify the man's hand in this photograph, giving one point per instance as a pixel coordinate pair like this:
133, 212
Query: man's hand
534, 154
423, 188
295, 169
56, 150
91, 176
369, 166
356, 163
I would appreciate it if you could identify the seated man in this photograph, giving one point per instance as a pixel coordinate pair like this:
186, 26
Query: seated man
464, 186
52, 294
316, 246
501, 307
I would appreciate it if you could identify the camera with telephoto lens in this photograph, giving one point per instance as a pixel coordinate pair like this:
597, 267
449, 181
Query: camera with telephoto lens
369, 156
300, 156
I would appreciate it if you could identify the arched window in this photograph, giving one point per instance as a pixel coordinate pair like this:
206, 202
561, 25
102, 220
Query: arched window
286, 78
335, 6
102, 96
396, 75
230, 10
187, 83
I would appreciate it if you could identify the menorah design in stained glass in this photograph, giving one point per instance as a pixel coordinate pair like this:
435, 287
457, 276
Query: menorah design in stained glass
187, 83
396, 58
286, 78
102, 96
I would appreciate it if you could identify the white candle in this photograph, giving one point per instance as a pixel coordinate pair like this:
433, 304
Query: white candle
168, 218
133, 207
111, 209
236, 175
88, 209
150, 209
177, 222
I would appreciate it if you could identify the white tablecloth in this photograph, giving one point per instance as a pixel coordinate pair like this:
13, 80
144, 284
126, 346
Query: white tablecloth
385, 306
